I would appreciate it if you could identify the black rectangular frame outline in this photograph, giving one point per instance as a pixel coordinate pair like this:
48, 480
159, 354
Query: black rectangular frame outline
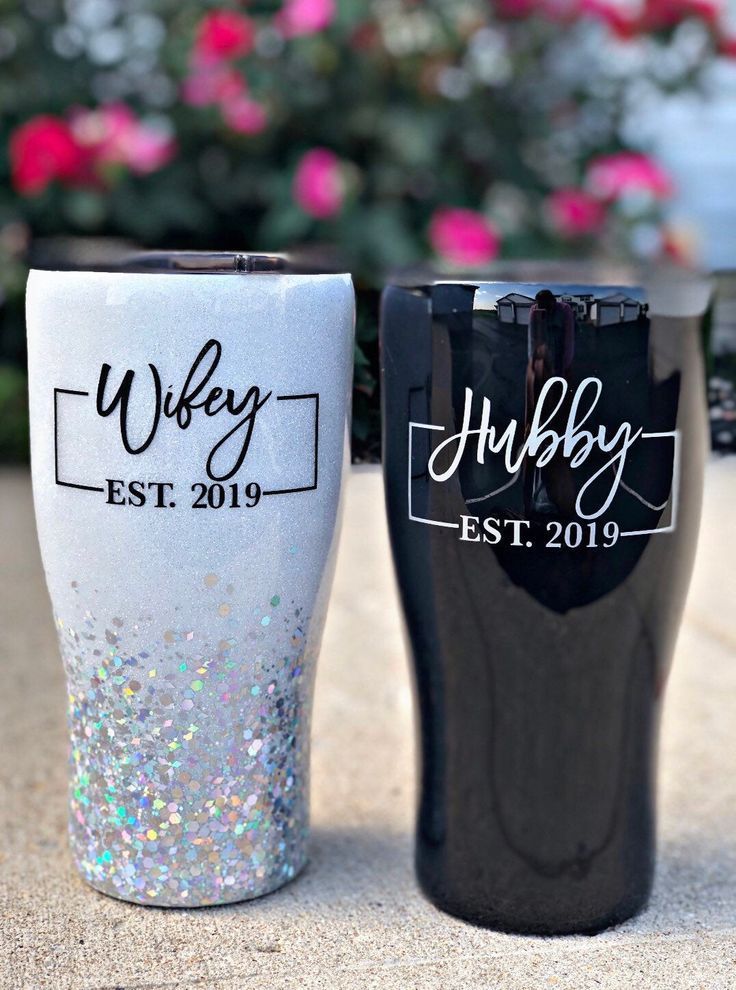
66, 484
276, 491
313, 486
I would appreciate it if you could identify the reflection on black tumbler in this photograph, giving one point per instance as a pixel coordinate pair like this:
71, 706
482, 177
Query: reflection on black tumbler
543, 457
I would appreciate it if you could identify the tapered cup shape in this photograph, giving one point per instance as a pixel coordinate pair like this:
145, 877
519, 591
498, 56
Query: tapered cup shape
543, 455
189, 437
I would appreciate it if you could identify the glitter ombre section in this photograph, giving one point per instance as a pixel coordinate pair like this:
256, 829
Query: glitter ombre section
189, 762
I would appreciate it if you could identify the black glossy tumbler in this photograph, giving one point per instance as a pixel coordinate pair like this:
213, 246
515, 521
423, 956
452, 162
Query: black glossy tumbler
543, 457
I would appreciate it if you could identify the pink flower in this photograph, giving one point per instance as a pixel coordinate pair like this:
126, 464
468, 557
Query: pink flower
623, 24
244, 115
298, 17
574, 212
727, 45
611, 176
222, 35
42, 150
146, 149
463, 237
660, 14
213, 84
318, 186
113, 135
76, 151
227, 88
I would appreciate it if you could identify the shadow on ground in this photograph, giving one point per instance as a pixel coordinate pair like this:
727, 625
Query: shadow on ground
349, 869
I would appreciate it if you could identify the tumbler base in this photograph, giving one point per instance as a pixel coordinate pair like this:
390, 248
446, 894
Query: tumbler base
228, 896
486, 917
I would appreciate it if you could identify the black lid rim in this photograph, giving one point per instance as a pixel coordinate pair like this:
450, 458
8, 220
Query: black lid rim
205, 262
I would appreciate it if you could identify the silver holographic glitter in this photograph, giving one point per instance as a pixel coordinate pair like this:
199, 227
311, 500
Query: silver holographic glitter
189, 770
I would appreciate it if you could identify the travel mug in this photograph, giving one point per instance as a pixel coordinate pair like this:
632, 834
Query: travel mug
189, 428
543, 456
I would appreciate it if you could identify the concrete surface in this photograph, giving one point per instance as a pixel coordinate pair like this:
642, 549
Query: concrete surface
355, 918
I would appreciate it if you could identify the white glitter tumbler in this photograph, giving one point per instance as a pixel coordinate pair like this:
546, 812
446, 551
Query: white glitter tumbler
189, 438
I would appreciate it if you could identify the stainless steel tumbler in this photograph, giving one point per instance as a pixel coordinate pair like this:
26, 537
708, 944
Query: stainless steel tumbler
189, 437
543, 456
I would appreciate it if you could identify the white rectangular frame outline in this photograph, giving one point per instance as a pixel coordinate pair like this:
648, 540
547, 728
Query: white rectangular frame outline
674, 489
412, 517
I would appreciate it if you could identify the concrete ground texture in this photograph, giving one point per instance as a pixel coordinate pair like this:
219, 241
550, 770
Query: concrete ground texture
355, 918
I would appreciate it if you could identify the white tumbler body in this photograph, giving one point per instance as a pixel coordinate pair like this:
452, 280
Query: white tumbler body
189, 438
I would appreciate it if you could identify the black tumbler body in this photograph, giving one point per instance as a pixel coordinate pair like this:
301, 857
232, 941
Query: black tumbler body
543, 455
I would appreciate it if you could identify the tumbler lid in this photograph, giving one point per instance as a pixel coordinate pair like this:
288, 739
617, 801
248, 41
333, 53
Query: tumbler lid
205, 262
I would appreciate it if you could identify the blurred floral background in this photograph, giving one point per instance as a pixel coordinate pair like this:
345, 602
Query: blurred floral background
369, 135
